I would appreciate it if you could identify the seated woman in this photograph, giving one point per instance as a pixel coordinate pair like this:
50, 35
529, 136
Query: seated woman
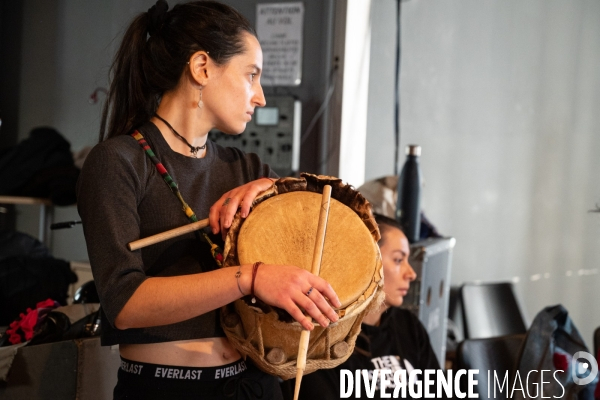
391, 338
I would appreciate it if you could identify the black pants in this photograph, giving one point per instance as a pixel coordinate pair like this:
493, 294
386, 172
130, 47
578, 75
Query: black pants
230, 382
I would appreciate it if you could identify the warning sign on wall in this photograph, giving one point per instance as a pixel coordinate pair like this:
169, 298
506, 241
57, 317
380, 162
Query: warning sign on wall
279, 29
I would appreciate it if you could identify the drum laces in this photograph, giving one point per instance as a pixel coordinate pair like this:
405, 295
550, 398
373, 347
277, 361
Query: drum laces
243, 388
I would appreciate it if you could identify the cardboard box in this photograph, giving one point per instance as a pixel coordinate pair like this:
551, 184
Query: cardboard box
75, 369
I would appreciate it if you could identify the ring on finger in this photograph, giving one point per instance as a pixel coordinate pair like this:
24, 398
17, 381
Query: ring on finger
309, 291
226, 201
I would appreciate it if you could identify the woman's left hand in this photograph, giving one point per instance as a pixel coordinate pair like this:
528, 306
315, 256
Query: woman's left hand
222, 212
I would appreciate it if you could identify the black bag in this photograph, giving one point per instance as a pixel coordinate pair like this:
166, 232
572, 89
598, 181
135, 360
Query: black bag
28, 275
550, 344
40, 166
57, 327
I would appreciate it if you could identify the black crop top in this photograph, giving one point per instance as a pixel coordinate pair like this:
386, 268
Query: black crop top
121, 198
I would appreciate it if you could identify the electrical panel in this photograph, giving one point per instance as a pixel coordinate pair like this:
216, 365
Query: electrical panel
273, 134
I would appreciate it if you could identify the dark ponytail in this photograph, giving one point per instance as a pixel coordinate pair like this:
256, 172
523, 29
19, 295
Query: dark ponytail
146, 66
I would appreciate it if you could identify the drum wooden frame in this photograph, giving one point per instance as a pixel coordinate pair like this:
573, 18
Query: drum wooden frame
281, 229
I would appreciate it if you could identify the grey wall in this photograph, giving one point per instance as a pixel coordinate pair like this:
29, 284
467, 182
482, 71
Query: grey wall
67, 48
503, 96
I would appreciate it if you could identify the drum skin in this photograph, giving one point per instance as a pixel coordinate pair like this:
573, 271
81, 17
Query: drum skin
282, 229
349, 254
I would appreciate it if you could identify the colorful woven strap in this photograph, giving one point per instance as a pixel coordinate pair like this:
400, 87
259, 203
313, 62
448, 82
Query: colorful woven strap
215, 250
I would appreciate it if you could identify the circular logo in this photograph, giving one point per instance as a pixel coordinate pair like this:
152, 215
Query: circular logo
580, 367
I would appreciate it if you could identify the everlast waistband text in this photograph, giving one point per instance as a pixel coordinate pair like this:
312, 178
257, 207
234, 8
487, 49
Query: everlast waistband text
131, 367
230, 371
176, 373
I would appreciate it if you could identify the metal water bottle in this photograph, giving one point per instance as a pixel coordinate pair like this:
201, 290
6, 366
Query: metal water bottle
408, 208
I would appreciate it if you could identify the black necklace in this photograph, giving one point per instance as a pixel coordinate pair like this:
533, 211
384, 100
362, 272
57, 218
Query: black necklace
193, 149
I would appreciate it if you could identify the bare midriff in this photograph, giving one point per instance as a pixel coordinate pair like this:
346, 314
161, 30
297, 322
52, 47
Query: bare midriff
209, 352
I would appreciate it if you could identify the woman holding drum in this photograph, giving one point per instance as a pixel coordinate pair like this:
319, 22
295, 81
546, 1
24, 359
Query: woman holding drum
176, 75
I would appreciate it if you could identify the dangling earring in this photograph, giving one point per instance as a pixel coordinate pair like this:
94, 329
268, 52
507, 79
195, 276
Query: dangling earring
200, 103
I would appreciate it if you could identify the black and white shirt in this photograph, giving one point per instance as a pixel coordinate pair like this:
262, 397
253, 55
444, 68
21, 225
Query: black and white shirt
400, 342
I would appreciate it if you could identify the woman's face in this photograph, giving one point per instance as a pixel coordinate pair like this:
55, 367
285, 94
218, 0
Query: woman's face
233, 89
397, 271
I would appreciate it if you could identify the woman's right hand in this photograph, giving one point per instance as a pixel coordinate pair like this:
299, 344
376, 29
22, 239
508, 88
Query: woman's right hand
286, 287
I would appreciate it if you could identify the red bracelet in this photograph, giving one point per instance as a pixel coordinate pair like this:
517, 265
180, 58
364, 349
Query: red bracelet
254, 271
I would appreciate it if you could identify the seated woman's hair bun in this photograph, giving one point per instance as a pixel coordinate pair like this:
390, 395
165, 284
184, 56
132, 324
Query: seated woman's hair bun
156, 16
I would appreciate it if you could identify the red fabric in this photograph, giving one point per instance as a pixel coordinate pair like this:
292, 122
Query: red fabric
28, 323
23, 329
561, 361
49, 303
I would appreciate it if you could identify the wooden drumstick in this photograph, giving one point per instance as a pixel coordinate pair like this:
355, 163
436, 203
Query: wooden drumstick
315, 269
159, 237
